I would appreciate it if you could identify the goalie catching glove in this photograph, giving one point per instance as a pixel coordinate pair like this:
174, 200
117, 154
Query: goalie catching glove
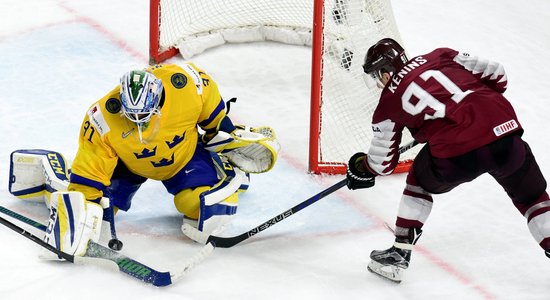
358, 175
253, 150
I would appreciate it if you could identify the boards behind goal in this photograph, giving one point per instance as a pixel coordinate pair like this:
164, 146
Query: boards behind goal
339, 33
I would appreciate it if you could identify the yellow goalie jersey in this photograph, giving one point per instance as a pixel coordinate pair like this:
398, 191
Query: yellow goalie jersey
167, 144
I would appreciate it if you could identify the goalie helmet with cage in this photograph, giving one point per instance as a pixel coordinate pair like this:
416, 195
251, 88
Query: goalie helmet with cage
386, 56
140, 94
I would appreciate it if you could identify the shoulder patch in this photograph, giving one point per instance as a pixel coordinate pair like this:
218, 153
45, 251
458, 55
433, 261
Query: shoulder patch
197, 80
178, 80
98, 121
113, 105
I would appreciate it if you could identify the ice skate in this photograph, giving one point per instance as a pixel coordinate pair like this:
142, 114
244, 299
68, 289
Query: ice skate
390, 263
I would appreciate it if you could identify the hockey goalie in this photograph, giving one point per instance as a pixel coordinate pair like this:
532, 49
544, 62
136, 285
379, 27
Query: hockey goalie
165, 123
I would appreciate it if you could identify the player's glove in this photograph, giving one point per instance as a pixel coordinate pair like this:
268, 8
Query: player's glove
358, 176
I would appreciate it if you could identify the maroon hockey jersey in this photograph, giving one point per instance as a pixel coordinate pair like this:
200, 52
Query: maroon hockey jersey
452, 101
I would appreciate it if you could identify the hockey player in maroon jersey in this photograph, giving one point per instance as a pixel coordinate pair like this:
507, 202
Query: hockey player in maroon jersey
454, 103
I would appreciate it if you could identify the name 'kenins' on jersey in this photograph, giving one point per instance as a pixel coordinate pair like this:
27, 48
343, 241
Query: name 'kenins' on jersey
449, 99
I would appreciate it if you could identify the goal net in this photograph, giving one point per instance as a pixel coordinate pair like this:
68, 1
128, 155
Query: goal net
339, 33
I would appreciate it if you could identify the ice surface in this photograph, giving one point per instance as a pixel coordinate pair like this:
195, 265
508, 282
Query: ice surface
58, 57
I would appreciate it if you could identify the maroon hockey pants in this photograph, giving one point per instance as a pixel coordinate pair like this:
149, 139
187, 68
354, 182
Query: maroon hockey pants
508, 160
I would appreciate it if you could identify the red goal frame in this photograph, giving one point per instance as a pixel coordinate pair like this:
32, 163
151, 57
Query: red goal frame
315, 164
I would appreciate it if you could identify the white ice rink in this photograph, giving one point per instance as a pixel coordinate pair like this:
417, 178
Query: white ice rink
57, 57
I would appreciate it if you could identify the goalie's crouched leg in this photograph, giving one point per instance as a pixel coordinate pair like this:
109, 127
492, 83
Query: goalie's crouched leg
209, 207
198, 212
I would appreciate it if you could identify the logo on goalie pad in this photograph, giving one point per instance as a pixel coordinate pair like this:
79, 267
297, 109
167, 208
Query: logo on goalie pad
57, 165
51, 224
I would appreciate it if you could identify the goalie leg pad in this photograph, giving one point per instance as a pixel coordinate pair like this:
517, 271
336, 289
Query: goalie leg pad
214, 216
219, 203
73, 222
207, 190
35, 174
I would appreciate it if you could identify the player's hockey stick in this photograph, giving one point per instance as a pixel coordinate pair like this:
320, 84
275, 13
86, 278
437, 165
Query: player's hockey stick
97, 254
227, 242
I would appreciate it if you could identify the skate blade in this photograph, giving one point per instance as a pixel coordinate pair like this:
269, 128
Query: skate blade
391, 273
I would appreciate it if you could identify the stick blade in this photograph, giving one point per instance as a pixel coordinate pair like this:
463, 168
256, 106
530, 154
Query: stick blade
193, 262
192, 233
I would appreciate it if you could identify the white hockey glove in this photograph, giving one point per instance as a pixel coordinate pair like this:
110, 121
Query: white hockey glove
253, 150
73, 223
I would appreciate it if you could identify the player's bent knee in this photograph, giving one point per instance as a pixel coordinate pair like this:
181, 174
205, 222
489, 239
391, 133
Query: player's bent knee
187, 201
527, 184
216, 205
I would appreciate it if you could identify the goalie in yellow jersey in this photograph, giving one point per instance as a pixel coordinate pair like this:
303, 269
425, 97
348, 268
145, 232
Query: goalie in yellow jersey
148, 128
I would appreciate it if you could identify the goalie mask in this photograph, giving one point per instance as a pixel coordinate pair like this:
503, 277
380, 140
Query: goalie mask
386, 56
140, 94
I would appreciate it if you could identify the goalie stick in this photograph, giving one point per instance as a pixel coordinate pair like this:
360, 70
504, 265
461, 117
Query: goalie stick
99, 255
227, 242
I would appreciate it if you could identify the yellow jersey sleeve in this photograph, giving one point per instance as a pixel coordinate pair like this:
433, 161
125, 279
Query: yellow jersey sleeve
95, 160
213, 109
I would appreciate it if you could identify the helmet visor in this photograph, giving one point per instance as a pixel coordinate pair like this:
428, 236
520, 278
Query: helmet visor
373, 79
138, 116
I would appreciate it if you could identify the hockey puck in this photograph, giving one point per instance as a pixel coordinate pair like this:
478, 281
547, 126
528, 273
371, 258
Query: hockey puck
115, 244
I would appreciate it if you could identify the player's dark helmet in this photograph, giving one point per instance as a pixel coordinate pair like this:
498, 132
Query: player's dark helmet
384, 56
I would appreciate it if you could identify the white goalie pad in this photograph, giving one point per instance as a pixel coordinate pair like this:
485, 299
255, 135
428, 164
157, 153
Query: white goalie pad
73, 222
253, 150
219, 204
35, 174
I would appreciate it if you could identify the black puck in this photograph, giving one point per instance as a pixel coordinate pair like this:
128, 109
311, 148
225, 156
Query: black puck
115, 244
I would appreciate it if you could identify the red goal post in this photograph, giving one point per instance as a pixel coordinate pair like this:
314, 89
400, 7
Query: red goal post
339, 33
